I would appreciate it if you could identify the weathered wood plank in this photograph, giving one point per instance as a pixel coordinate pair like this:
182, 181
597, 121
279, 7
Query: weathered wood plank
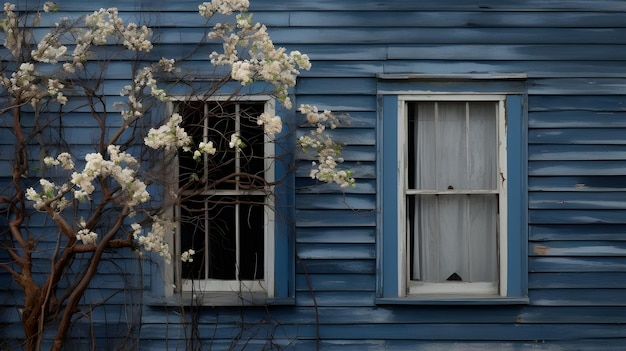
359, 169
344, 299
336, 86
339, 218
500, 52
401, 314
611, 280
555, 152
544, 345
339, 201
448, 35
576, 119
375, 19
347, 136
577, 232
577, 216
534, 69
467, 332
577, 136
310, 186
359, 5
576, 264
333, 251
577, 183
576, 168
336, 235
577, 248
577, 297
337, 266
604, 104
336, 282
352, 103
576, 86
577, 200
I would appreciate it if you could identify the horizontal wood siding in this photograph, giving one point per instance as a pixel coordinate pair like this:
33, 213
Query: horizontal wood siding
572, 51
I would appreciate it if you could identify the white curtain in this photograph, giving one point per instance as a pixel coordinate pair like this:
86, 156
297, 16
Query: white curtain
455, 235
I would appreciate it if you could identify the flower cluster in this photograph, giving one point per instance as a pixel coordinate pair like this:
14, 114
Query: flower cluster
49, 49
204, 148
262, 62
64, 159
169, 136
50, 194
102, 25
326, 150
154, 241
236, 142
86, 236
55, 89
187, 256
120, 166
143, 79
226, 7
13, 39
271, 124
50, 6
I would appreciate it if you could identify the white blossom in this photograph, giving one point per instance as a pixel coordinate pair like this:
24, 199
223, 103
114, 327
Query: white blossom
236, 142
187, 256
50, 6
204, 148
154, 241
169, 136
271, 124
86, 236
226, 7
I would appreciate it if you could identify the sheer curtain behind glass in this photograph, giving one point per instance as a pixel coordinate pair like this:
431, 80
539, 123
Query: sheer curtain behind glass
453, 201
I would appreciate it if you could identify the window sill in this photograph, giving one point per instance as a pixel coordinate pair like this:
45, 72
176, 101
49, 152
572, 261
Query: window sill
211, 299
451, 300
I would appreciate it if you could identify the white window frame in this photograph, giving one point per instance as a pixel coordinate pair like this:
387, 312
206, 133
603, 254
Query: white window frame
406, 286
198, 286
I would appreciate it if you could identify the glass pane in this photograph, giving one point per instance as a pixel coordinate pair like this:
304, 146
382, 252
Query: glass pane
252, 241
222, 123
455, 238
193, 122
192, 234
482, 145
452, 145
252, 157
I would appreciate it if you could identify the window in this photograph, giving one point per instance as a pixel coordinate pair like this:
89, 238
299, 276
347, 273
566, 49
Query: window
453, 184
226, 212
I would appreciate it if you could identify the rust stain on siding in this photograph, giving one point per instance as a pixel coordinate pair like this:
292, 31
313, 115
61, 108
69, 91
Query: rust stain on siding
541, 250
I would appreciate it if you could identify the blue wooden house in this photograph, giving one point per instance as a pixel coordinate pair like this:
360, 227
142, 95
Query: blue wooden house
505, 120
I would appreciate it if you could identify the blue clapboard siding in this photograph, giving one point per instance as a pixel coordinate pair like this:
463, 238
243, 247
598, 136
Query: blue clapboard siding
573, 53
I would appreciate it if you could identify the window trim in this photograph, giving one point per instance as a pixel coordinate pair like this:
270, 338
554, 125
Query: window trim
280, 286
390, 89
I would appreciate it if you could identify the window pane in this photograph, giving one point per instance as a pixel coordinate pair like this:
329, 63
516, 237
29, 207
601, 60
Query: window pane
455, 238
453, 145
192, 113
252, 225
482, 145
211, 226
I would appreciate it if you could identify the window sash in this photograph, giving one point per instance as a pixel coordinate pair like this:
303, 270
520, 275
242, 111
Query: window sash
236, 283
414, 191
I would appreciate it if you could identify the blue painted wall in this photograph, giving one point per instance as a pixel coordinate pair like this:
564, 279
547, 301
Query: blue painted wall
574, 54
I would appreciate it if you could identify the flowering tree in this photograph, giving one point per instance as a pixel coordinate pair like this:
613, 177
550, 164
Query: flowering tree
102, 200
